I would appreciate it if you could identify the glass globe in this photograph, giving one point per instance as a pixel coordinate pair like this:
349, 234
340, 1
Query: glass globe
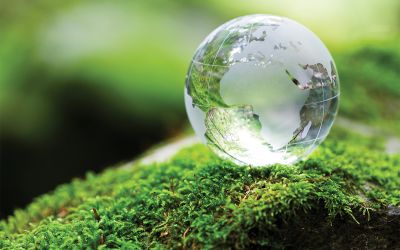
262, 89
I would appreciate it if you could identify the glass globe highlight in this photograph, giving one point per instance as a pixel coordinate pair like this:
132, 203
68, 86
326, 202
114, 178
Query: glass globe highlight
261, 90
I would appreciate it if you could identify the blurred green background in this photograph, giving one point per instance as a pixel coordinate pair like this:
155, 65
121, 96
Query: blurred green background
88, 84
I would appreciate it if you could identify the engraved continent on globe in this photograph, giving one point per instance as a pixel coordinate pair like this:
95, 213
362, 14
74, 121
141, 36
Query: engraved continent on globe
262, 89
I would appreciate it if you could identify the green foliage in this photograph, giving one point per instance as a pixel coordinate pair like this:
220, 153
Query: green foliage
198, 200
370, 85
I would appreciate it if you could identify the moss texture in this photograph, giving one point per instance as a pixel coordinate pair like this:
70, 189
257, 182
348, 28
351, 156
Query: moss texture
346, 193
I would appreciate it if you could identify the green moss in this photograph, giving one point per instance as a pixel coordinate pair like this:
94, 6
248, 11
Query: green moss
198, 200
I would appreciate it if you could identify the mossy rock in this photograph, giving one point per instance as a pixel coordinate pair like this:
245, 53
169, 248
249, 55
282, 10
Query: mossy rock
346, 195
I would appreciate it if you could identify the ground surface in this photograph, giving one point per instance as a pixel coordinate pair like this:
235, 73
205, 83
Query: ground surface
346, 195
346, 192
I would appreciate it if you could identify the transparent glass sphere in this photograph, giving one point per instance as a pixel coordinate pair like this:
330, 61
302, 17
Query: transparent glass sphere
262, 89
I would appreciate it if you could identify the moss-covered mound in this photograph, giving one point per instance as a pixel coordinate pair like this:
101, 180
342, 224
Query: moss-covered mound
346, 194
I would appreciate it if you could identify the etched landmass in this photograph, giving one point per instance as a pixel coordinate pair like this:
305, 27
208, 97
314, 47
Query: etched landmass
319, 76
203, 85
313, 113
221, 52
